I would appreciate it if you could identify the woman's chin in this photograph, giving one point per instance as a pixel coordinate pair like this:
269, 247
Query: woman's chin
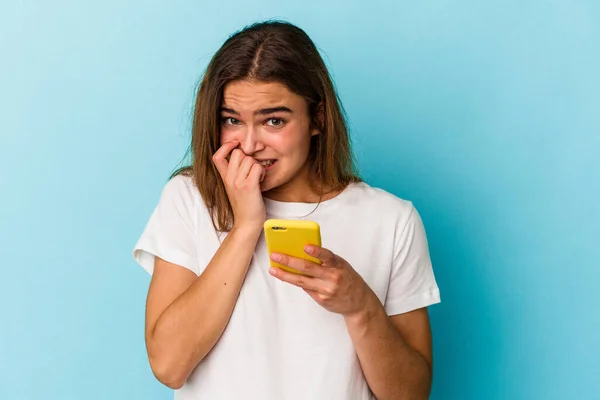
268, 184
265, 186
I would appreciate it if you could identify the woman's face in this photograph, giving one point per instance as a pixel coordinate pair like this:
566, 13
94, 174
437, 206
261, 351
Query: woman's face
273, 125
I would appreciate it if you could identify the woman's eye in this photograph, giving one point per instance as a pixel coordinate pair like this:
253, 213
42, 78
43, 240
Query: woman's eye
230, 121
275, 122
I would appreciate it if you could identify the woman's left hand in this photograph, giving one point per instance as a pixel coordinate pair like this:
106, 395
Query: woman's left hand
334, 284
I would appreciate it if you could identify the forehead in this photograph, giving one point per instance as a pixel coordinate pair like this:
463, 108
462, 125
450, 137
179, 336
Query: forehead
251, 95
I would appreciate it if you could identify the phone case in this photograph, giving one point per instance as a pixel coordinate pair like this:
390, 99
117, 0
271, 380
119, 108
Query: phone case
290, 237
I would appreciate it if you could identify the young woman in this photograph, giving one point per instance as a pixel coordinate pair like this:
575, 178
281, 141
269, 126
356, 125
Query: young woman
270, 141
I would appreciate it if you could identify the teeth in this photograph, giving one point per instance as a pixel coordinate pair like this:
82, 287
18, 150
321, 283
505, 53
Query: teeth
266, 163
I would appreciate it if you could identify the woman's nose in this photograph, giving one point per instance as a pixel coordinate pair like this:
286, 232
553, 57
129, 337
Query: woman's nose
252, 142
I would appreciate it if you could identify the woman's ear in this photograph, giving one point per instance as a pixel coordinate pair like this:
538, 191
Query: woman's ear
318, 122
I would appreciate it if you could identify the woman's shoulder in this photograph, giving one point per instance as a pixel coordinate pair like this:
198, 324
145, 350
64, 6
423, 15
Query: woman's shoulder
379, 199
181, 182
181, 185
182, 191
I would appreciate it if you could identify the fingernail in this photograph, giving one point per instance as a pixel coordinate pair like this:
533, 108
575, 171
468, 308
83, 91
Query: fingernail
273, 271
308, 249
275, 257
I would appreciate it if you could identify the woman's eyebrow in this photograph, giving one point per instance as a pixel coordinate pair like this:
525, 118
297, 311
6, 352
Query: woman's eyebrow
272, 110
229, 111
262, 111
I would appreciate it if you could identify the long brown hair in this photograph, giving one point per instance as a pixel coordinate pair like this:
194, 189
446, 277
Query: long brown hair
271, 51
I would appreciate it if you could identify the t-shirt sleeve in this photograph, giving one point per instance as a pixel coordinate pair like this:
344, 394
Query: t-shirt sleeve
170, 233
412, 284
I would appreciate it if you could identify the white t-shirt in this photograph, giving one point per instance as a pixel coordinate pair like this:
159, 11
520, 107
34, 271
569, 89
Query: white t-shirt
280, 344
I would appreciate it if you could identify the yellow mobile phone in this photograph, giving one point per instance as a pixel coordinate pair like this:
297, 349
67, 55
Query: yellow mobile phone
289, 237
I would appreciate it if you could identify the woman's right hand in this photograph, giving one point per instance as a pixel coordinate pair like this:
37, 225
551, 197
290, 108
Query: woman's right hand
242, 175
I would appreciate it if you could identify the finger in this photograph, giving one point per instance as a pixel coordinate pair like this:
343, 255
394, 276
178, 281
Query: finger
225, 149
256, 173
317, 296
219, 158
301, 281
235, 161
245, 167
305, 266
327, 257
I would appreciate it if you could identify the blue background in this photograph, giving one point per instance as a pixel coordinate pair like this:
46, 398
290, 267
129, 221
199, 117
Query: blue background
485, 114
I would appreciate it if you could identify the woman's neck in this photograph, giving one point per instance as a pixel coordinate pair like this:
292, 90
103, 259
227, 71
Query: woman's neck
300, 191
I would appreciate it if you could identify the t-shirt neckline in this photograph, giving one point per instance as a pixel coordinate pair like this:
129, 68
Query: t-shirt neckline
296, 210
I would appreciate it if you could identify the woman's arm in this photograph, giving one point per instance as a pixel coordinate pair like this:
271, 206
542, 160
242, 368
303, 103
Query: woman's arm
187, 314
395, 353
